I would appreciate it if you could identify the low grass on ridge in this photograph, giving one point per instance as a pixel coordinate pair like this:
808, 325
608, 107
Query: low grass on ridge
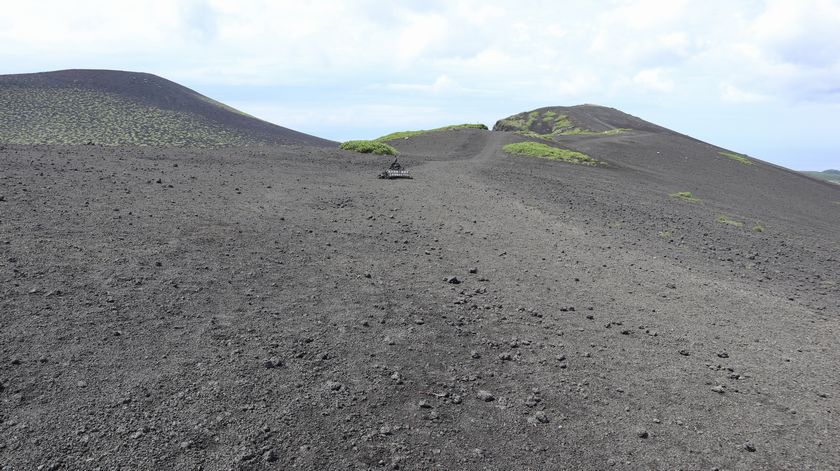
406, 134
729, 221
369, 147
685, 195
543, 151
736, 157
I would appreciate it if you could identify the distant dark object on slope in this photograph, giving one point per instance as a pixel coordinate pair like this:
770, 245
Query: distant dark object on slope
126, 108
832, 176
394, 171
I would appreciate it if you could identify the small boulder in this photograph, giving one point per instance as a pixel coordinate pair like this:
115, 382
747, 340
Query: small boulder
272, 362
484, 395
270, 456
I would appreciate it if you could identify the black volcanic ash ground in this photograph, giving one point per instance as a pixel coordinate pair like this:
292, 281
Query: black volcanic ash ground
282, 308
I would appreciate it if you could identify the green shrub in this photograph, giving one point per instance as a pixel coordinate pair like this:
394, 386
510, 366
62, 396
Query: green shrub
369, 147
727, 220
528, 124
736, 157
684, 195
407, 134
543, 151
758, 228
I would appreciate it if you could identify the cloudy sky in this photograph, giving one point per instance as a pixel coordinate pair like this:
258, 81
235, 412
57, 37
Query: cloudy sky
759, 77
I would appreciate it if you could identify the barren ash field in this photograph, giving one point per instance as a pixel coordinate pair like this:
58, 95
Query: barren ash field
637, 299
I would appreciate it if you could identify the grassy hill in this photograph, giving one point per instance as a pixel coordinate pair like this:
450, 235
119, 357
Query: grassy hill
827, 175
126, 108
553, 121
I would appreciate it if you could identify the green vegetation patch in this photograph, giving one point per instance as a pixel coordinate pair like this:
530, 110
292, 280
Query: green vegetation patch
666, 234
727, 220
736, 157
543, 151
685, 195
547, 125
758, 228
369, 147
407, 134
77, 116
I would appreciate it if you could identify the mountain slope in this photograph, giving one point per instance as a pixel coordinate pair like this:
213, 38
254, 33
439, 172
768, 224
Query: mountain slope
651, 161
115, 107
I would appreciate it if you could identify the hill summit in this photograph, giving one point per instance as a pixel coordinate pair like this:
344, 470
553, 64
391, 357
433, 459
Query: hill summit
553, 121
126, 108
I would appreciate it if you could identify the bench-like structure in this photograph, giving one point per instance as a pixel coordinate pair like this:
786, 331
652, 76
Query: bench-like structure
391, 173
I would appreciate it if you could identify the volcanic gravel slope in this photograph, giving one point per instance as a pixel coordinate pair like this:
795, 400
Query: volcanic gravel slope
115, 107
284, 309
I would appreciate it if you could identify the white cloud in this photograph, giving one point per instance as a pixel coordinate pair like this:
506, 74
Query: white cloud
496, 53
780, 49
804, 32
443, 84
655, 80
732, 94
420, 33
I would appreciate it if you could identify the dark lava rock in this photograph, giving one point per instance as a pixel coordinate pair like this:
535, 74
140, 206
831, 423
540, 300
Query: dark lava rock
642, 433
453, 280
272, 362
473, 270
749, 447
270, 456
